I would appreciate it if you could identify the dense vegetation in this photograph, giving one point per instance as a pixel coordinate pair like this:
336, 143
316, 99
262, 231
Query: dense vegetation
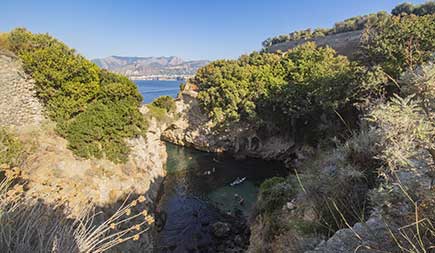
352, 24
399, 43
296, 83
94, 110
384, 159
165, 102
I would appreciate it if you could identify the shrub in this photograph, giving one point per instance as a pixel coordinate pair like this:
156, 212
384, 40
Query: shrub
11, 149
404, 8
4, 38
165, 102
419, 10
64, 81
399, 43
404, 129
274, 193
299, 82
160, 114
95, 110
101, 131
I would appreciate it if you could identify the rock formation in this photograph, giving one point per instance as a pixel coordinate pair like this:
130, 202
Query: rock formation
193, 129
344, 43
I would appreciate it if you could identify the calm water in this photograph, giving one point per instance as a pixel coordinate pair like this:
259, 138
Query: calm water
151, 89
194, 198
196, 191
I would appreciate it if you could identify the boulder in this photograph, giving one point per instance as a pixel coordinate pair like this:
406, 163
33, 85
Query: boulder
220, 229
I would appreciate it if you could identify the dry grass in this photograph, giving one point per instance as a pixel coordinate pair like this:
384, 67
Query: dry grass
30, 225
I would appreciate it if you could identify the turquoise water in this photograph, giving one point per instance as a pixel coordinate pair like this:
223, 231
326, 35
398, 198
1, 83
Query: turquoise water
196, 192
151, 89
189, 169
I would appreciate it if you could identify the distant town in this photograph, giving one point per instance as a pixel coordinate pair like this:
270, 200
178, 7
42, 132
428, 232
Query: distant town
160, 77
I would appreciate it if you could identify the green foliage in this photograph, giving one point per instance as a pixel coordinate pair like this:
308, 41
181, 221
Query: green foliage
421, 82
160, 114
419, 10
101, 130
95, 110
4, 38
11, 149
400, 43
301, 81
317, 79
65, 82
404, 127
165, 102
274, 193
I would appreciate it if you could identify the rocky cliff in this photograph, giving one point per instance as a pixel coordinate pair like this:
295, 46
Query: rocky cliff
193, 129
54, 175
344, 43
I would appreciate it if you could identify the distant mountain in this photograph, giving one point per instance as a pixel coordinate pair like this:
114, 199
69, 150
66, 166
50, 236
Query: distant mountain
150, 67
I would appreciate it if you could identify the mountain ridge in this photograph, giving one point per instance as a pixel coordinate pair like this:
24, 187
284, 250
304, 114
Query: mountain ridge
151, 67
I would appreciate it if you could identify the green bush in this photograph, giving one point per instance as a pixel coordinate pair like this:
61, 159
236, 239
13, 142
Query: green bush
11, 149
304, 80
101, 131
95, 110
419, 10
160, 114
4, 38
274, 193
400, 43
165, 102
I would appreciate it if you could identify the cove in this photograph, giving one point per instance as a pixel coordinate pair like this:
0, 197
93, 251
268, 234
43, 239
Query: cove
196, 193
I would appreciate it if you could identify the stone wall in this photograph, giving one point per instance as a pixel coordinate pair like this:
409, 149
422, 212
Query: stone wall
18, 104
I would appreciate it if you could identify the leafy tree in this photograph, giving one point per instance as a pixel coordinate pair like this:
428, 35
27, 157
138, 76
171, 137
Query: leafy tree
400, 43
424, 9
316, 79
404, 8
302, 81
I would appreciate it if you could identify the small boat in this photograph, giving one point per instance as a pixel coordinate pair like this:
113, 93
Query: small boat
238, 181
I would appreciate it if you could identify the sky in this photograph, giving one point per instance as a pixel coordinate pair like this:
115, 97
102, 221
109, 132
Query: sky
191, 29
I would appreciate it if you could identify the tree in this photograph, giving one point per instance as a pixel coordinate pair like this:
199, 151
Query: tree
404, 8
398, 44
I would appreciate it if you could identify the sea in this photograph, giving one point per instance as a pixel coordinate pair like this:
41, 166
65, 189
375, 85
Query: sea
152, 89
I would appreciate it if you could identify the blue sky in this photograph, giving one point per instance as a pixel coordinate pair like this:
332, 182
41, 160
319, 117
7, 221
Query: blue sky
192, 29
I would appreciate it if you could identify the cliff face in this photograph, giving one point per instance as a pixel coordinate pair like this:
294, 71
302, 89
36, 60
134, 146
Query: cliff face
18, 106
193, 129
344, 43
54, 175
